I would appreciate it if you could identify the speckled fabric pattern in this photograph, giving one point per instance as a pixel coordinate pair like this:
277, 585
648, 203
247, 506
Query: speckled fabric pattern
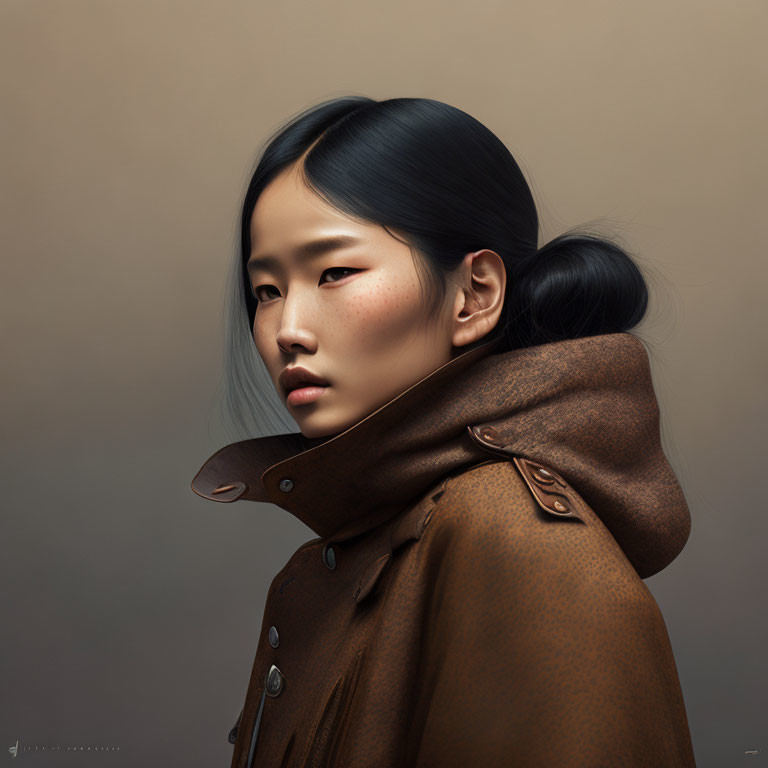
475, 595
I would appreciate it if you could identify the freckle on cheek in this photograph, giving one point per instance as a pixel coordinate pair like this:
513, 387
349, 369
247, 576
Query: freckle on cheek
383, 308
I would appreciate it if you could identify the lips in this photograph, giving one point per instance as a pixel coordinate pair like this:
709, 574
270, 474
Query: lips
303, 384
298, 377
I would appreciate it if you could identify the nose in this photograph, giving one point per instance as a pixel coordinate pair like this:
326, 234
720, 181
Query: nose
294, 332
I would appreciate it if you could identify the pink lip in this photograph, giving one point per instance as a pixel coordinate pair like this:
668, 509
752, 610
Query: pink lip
304, 395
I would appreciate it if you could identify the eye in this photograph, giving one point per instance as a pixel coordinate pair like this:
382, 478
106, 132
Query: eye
255, 292
340, 269
256, 289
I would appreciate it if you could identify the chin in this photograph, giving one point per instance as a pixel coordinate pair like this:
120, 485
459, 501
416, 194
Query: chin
315, 425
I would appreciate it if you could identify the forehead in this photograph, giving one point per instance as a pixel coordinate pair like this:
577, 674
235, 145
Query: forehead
289, 216
288, 213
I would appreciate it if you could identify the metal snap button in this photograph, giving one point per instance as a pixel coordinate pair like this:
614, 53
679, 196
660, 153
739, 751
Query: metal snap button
286, 484
491, 435
274, 640
541, 475
232, 738
329, 556
274, 681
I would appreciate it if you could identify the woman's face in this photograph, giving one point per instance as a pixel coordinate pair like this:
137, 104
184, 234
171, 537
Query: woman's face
349, 314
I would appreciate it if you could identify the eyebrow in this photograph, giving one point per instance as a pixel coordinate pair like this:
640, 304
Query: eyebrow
306, 251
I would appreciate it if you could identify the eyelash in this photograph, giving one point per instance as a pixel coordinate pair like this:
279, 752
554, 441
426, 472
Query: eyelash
351, 270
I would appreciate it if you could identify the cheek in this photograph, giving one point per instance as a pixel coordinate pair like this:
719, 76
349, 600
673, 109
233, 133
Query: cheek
380, 314
257, 332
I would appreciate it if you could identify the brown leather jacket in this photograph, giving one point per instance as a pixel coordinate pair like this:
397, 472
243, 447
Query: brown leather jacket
475, 596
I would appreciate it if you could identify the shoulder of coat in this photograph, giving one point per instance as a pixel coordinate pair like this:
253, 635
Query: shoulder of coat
511, 516
494, 522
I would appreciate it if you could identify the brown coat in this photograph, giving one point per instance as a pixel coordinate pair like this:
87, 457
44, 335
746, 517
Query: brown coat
475, 596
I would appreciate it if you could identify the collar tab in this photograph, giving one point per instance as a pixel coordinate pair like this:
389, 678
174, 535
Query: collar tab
221, 478
547, 486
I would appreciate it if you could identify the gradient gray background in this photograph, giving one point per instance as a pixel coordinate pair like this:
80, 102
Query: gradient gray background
130, 606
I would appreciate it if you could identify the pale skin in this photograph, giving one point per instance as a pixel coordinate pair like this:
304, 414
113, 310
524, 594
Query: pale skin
352, 315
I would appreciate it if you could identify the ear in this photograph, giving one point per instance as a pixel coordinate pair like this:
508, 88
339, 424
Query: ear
481, 281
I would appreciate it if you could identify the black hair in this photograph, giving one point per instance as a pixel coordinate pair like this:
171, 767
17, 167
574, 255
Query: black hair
445, 184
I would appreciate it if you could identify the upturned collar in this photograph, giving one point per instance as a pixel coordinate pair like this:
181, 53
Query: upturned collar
585, 407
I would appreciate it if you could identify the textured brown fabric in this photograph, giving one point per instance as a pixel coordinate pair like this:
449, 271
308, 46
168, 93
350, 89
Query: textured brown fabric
475, 595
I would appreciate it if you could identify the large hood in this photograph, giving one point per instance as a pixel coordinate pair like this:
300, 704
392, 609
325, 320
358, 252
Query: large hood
584, 407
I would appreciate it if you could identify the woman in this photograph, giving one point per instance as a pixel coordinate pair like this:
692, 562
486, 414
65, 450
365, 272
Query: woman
479, 455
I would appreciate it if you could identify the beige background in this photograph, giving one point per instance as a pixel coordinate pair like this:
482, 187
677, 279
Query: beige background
130, 606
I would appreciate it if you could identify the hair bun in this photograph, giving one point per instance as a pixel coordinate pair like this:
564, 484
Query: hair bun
578, 284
